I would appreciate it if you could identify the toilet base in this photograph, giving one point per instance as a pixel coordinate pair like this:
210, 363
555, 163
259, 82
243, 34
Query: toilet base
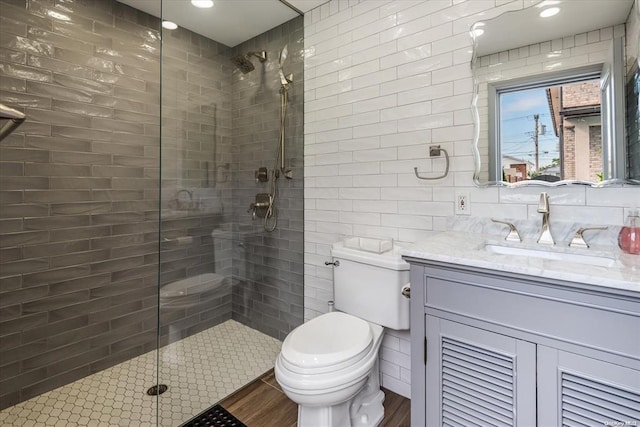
365, 409
330, 416
368, 414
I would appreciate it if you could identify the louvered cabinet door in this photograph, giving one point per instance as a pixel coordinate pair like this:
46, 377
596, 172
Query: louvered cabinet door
478, 378
575, 390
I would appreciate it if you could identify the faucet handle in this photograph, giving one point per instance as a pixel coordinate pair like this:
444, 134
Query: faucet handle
543, 203
513, 235
578, 239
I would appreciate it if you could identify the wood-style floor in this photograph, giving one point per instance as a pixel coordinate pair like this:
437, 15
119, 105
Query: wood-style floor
263, 404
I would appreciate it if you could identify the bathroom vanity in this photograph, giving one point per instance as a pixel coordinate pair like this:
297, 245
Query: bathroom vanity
521, 340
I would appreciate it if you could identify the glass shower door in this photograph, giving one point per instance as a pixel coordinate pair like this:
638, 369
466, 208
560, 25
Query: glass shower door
196, 247
229, 290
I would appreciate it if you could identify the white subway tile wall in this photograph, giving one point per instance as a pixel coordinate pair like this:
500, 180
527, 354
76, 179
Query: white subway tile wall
384, 80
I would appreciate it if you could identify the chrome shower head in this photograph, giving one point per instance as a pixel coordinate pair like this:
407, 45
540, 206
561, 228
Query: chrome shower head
285, 80
243, 62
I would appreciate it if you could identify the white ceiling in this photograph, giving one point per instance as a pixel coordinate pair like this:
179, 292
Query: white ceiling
229, 22
232, 22
524, 27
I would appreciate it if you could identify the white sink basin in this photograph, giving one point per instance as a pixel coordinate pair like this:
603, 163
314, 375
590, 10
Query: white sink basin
556, 256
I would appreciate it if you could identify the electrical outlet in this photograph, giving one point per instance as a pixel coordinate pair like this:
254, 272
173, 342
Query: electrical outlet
462, 203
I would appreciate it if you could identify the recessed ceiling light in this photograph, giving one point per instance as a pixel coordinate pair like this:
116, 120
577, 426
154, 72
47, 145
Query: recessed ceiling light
549, 12
169, 25
203, 4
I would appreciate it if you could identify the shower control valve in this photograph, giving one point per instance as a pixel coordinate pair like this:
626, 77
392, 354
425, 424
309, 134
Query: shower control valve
262, 175
261, 208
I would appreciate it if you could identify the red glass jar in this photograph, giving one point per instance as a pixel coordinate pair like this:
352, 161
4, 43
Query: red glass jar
629, 237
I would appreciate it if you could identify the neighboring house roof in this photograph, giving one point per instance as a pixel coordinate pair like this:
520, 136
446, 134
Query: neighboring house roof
558, 109
552, 170
511, 159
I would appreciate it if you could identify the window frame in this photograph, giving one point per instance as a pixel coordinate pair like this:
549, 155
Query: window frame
575, 75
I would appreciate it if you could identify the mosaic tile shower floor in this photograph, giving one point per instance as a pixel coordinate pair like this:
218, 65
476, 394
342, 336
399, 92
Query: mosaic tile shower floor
200, 370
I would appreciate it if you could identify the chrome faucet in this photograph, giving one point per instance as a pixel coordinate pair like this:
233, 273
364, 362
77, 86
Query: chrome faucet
513, 235
545, 233
578, 238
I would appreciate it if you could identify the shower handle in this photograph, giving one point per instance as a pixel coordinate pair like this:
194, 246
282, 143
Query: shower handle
254, 206
261, 208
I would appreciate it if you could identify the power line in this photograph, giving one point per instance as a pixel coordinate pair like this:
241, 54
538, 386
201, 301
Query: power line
522, 117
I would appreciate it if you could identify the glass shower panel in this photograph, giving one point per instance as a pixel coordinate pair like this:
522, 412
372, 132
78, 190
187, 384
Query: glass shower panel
229, 290
195, 261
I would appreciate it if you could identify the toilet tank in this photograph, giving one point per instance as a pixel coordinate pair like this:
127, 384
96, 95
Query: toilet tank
369, 284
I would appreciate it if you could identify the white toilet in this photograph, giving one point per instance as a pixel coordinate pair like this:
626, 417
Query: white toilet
329, 365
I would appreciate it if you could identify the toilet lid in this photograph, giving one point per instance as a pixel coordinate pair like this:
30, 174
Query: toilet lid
327, 340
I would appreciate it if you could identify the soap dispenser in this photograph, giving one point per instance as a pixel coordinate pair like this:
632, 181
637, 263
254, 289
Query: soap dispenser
629, 237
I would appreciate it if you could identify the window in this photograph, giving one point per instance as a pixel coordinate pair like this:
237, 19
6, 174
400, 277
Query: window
549, 129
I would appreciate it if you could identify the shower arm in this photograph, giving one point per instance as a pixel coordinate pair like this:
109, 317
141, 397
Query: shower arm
261, 55
14, 117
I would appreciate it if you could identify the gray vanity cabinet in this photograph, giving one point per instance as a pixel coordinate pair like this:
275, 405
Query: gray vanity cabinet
584, 390
482, 376
500, 349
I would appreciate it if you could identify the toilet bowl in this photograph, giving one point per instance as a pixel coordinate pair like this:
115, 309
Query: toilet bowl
329, 365
322, 370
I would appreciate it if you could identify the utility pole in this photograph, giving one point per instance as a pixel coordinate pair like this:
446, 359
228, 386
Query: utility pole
535, 141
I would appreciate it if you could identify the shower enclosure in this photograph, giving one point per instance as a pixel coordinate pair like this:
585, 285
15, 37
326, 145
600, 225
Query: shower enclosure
128, 259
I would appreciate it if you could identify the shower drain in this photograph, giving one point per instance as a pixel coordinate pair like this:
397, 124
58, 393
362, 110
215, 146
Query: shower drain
157, 389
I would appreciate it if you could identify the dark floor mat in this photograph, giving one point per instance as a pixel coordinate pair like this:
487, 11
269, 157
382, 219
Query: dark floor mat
216, 416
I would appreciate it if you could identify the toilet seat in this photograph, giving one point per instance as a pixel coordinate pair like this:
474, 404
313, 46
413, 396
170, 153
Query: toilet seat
327, 343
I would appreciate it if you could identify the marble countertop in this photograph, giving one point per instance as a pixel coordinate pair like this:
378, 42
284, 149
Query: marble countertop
468, 249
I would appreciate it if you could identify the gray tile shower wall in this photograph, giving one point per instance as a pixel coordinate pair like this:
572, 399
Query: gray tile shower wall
79, 187
268, 266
